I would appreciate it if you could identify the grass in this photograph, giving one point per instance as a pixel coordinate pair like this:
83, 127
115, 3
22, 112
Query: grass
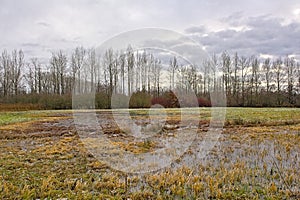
14, 117
257, 157
263, 116
25, 118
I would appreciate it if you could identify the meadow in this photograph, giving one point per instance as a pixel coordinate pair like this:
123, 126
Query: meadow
257, 156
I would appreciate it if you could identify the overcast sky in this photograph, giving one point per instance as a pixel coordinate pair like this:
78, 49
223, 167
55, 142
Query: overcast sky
257, 27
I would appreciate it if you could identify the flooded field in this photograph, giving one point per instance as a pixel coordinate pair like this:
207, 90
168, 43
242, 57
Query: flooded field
44, 154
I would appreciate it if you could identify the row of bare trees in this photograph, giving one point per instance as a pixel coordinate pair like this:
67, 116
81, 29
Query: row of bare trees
251, 81
11, 66
248, 81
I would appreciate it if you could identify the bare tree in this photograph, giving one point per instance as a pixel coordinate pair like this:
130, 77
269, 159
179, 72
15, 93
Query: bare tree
236, 77
148, 70
254, 80
227, 72
6, 74
244, 64
58, 64
139, 70
116, 72
122, 63
17, 64
214, 64
92, 63
290, 68
192, 78
35, 71
109, 66
298, 77
206, 76
277, 67
267, 73
130, 67
172, 69
156, 73
77, 62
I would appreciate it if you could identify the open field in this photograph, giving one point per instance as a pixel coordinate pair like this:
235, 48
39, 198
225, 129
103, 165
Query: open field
257, 157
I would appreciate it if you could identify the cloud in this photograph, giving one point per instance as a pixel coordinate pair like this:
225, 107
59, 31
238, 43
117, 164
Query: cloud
43, 24
195, 29
264, 35
30, 44
228, 25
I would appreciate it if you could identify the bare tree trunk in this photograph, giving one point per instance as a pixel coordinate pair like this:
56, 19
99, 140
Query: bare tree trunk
172, 68
17, 64
244, 62
278, 78
290, 70
130, 65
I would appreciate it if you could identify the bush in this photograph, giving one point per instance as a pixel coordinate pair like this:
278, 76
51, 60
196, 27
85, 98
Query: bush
140, 100
159, 100
167, 99
120, 101
55, 101
202, 102
102, 100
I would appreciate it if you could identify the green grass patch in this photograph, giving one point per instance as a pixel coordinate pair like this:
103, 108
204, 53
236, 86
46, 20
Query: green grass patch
263, 116
26, 116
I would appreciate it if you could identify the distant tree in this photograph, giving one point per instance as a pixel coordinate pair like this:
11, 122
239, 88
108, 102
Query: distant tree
139, 74
277, 68
108, 62
58, 63
77, 63
244, 64
290, 68
227, 72
235, 78
116, 72
130, 67
92, 65
122, 62
298, 78
157, 74
206, 76
173, 66
6, 74
150, 76
191, 78
254, 80
214, 65
267, 74
35, 74
17, 64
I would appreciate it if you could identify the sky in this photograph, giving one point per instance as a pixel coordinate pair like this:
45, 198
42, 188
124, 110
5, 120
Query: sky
256, 27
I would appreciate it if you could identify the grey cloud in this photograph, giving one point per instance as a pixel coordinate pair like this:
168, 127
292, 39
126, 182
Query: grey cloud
64, 24
30, 44
233, 19
266, 35
195, 29
43, 24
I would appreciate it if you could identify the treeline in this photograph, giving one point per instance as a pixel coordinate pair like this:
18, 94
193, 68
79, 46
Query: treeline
248, 81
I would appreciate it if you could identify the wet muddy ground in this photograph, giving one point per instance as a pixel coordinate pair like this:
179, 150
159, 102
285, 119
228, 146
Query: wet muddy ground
49, 159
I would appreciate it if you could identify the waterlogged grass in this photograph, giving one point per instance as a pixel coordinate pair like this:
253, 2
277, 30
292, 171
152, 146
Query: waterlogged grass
257, 157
